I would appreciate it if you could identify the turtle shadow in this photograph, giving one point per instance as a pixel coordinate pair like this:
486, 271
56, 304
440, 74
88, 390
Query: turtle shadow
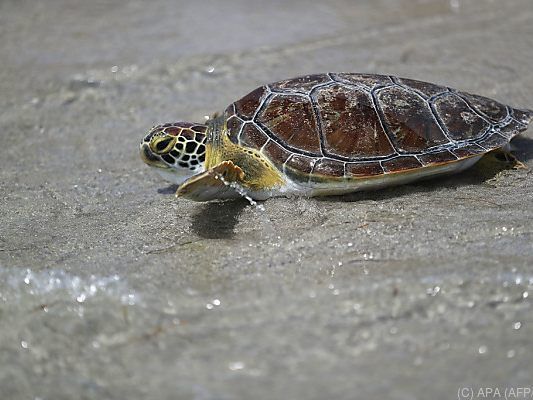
217, 220
522, 148
484, 170
170, 189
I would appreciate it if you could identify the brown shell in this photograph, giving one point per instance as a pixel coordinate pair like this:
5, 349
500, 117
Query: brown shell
343, 125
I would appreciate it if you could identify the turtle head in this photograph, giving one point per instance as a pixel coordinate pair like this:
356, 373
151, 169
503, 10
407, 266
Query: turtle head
175, 150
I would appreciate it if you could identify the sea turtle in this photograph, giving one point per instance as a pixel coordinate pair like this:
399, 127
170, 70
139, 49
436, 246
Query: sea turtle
330, 134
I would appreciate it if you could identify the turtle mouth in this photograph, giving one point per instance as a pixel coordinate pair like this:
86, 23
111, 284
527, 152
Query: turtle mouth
150, 158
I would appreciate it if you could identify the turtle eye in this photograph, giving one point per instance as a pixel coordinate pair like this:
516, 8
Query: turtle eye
162, 145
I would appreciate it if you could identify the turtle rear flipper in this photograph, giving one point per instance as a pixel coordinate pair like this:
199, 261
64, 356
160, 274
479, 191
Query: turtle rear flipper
215, 183
504, 156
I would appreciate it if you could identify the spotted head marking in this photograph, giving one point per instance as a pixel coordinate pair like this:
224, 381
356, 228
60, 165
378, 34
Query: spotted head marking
176, 150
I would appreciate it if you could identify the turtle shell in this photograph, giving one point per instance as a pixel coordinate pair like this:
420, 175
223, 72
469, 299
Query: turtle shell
342, 125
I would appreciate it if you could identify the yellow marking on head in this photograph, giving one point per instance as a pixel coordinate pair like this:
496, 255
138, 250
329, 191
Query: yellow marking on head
162, 144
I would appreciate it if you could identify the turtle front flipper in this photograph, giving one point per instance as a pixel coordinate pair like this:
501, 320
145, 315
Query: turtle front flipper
215, 183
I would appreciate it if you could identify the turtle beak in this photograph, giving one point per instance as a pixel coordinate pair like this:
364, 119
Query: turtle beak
150, 158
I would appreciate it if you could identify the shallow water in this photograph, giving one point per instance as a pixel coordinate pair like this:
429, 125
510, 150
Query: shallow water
110, 288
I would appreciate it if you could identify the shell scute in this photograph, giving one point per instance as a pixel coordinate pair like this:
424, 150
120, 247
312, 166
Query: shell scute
437, 157
362, 169
489, 108
251, 136
329, 168
291, 119
234, 124
426, 89
301, 84
401, 163
468, 151
301, 163
522, 116
510, 129
369, 81
461, 121
248, 105
350, 124
494, 141
276, 153
410, 120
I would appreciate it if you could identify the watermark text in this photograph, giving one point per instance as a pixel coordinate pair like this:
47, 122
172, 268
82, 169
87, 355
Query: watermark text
496, 392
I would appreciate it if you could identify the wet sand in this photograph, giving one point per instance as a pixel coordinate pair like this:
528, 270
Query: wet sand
110, 288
